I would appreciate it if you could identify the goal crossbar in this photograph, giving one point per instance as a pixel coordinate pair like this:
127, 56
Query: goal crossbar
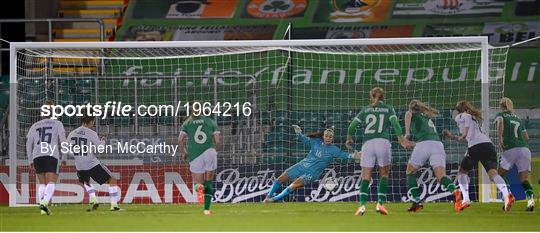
16, 46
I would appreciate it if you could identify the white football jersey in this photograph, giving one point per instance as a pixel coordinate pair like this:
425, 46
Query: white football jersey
83, 136
474, 135
44, 139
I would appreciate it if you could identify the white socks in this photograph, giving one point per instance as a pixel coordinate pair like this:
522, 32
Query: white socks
501, 185
41, 192
90, 190
113, 194
464, 186
49, 191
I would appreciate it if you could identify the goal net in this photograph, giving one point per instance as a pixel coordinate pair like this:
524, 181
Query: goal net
261, 88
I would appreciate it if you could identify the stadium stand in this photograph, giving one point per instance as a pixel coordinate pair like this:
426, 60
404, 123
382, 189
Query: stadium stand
110, 11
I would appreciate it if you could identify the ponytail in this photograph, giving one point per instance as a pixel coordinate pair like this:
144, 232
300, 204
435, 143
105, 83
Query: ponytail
377, 95
507, 104
419, 106
466, 106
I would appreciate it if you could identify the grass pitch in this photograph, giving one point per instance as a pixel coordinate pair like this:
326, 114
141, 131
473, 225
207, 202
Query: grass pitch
271, 217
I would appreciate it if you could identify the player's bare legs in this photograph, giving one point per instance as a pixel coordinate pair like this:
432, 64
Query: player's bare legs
284, 177
51, 177
296, 184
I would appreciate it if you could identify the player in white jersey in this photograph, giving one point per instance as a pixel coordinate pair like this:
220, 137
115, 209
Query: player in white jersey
88, 166
43, 151
480, 148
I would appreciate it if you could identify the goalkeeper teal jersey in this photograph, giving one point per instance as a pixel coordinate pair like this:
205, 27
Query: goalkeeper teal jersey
200, 132
376, 121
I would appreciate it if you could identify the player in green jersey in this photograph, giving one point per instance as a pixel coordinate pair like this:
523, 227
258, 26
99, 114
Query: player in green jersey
376, 119
513, 141
480, 149
199, 139
418, 121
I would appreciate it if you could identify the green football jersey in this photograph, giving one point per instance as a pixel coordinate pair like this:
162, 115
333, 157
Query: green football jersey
200, 132
513, 131
376, 120
422, 128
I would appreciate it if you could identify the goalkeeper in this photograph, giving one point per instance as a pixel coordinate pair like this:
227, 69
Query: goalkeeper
321, 153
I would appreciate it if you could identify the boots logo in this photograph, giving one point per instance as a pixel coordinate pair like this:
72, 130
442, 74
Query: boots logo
237, 188
448, 7
276, 8
430, 188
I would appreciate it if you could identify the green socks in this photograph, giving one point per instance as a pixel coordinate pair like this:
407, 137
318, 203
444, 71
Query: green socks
413, 187
448, 184
528, 189
381, 190
208, 193
364, 185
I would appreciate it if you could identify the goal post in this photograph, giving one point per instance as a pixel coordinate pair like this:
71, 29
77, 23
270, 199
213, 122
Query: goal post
315, 83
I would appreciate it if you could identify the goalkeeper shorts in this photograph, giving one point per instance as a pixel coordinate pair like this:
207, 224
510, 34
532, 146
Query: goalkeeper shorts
298, 171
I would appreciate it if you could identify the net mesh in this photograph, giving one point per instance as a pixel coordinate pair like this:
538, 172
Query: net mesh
313, 86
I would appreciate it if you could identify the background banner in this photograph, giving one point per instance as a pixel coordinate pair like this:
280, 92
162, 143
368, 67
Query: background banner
172, 184
351, 11
268, 9
454, 8
196, 9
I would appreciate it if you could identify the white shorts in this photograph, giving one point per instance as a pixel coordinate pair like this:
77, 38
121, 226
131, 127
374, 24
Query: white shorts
428, 150
206, 162
377, 149
519, 156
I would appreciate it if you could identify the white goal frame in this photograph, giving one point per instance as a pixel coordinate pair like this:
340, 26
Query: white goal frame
484, 183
